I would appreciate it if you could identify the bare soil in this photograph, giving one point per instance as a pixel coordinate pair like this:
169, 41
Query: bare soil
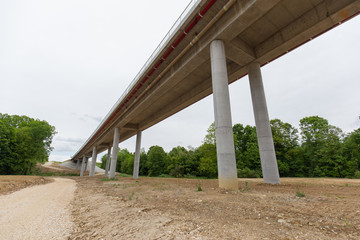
162, 208
38, 212
12, 183
54, 167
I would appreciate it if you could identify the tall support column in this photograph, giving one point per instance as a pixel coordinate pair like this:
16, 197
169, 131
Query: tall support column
114, 153
107, 162
86, 164
93, 162
78, 164
265, 140
82, 167
137, 156
223, 125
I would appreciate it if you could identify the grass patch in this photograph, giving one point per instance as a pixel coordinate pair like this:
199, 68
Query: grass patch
131, 196
38, 172
300, 194
159, 186
165, 176
55, 174
108, 179
246, 187
123, 175
199, 189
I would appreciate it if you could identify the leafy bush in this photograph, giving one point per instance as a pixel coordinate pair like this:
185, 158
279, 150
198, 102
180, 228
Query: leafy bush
247, 173
357, 174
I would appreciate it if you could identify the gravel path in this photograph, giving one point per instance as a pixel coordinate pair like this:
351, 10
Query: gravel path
39, 212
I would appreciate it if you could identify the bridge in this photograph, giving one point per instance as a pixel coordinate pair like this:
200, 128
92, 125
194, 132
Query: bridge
214, 43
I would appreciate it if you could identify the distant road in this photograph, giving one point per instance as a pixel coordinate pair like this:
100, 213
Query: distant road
39, 212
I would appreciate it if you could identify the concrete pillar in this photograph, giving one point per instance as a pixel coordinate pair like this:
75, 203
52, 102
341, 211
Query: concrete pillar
86, 164
82, 167
114, 153
137, 156
78, 164
223, 125
107, 162
265, 140
93, 162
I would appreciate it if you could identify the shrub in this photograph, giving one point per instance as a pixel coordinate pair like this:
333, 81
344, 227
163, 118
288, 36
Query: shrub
357, 174
247, 173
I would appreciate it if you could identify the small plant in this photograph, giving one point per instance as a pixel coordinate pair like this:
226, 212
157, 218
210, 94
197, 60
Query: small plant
300, 194
123, 175
108, 179
199, 189
246, 187
346, 185
131, 196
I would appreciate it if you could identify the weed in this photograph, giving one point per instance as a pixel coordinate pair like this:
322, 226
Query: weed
108, 179
347, 223
199, 189
300, 194
131, 196
123, 175
245, 188
346, 185
164, 176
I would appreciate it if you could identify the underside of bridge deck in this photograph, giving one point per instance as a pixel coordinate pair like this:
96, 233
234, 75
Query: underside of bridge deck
252, 31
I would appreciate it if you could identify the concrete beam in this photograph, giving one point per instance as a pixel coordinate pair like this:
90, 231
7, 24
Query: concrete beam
315, 20
131, 126
93, 162
107, 162
114, 152
86, 164
265, 140
245, 49
83, 166
137, 156
78, 164
223, 124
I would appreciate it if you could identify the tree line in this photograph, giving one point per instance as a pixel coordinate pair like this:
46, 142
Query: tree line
316, 149
24, 141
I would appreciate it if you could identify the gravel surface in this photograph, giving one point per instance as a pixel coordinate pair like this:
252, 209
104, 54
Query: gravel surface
39, 212
174, 208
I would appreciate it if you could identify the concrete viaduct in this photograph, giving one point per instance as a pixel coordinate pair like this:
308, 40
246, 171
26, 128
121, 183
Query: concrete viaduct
214, 43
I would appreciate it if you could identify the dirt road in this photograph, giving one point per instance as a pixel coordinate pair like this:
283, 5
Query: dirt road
39, 212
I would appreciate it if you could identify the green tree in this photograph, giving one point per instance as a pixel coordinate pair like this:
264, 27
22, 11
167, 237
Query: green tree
103, 161
246, 148
351, 153
321, 143
125, 161
156, 160
285, 138
207, 160
143, 168
23, 142
177, 161
210, 136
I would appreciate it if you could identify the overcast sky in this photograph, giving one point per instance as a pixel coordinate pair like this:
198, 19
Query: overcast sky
68, 62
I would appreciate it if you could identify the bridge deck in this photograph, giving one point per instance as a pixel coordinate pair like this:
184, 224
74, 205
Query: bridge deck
253, 30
